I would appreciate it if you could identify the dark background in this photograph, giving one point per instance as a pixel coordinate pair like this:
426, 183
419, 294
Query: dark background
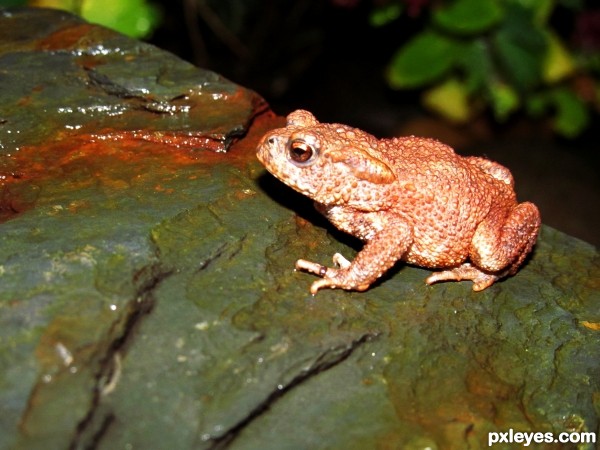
324, 56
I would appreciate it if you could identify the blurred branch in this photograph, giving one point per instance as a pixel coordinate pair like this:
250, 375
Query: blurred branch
217, 26
190, 13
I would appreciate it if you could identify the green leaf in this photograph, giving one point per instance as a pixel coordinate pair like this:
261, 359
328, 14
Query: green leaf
477, 64
505, 100
572, 4
383, 15
422, 60
558, 63
450, 99
520, 47
541, 9
537, 104
572, 116
135, 18
520, 66
468, 16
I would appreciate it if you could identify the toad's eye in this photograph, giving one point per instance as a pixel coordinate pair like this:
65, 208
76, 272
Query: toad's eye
301, 153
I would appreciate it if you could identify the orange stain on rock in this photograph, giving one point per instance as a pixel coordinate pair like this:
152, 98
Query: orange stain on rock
118, 160
72, 36
591, 325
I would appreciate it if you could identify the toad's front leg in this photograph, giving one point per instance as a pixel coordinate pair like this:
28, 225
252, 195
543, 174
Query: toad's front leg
377, 256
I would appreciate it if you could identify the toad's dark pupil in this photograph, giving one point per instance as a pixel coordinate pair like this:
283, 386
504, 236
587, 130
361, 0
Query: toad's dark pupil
300, 152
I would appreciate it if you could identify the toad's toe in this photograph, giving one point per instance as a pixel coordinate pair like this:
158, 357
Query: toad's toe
466, 271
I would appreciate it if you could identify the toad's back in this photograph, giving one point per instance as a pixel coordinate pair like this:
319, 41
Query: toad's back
444, 197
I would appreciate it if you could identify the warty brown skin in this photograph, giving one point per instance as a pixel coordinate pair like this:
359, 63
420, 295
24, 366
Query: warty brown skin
411, 199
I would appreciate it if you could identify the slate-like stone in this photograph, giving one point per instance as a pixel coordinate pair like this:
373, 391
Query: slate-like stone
60, 74
148, 298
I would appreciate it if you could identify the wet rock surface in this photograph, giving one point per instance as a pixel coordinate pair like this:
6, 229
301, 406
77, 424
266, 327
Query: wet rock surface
148, 298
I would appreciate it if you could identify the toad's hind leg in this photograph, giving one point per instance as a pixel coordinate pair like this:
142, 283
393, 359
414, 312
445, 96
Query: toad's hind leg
498, 248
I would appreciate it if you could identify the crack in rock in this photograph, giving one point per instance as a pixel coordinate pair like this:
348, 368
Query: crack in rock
111, 88
327, 360
91, 429
227, 250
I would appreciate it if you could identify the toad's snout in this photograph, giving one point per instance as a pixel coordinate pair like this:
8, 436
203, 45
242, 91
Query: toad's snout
265, 151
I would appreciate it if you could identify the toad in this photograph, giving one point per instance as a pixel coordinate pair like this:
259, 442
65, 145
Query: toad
409, 199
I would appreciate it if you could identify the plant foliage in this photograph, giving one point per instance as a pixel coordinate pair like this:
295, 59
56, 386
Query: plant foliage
135, 18
503, 55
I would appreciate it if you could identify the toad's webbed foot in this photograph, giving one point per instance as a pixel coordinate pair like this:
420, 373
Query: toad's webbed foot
466, 271
331, 277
